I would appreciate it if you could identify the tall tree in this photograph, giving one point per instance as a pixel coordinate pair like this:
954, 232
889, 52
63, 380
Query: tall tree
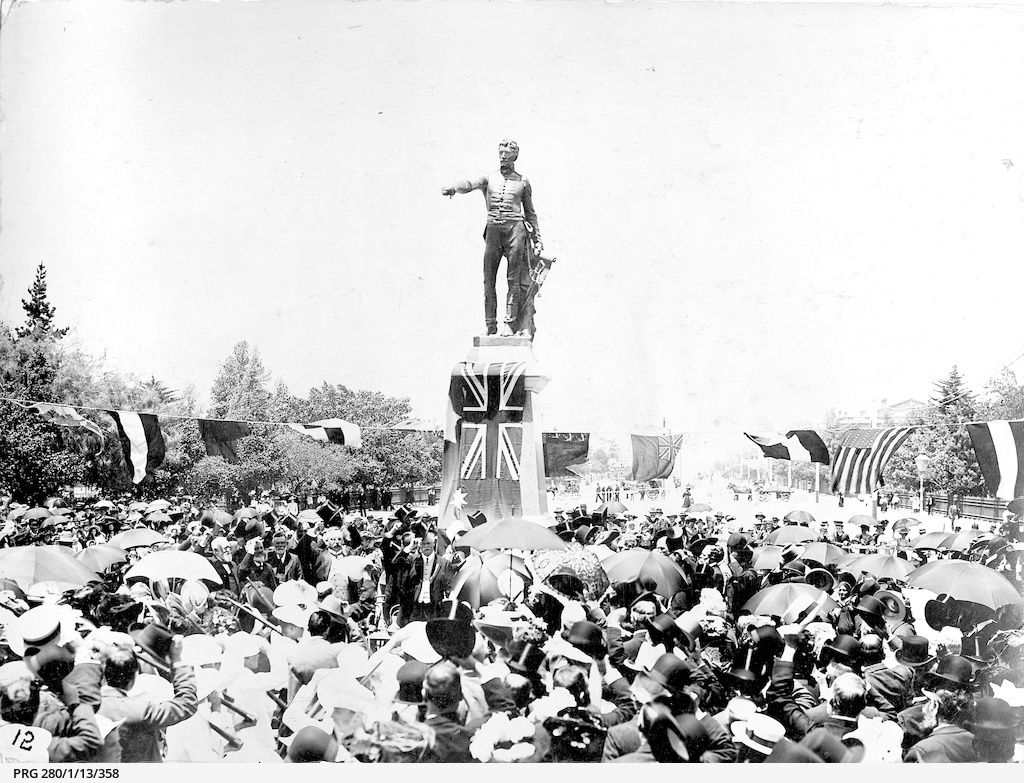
38, 310
241, 387
953, 465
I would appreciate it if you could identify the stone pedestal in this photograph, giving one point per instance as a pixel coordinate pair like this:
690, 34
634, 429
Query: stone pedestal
498, 350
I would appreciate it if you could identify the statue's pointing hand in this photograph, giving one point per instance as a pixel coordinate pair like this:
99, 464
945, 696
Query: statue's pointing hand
449, 192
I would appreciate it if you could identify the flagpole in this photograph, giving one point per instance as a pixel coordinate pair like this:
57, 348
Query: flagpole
817, 480
790, 466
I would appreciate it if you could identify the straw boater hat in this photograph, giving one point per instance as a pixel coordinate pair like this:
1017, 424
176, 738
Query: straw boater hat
760, 733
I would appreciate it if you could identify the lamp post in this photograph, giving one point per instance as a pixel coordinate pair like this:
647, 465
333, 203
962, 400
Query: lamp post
922, 465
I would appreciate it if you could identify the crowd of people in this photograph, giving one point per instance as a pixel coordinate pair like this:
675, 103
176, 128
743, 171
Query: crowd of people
178, 631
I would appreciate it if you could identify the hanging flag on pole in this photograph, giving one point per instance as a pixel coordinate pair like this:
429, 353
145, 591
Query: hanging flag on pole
141, 442
562, 449
654, 456
343, 433
999, 447
799, 445
857, 466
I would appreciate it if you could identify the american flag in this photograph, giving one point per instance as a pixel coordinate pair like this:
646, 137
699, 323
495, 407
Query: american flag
857, 465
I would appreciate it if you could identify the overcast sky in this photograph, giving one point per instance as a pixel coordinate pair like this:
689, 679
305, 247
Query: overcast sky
760, 211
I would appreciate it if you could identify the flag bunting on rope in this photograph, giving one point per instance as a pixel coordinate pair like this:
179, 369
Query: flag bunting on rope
562, 449
65, 416
221, 437
141, 442
999, 446
343, 433
863, 453
797, 445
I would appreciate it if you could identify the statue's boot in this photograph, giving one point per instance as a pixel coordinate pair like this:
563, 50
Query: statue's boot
506, 331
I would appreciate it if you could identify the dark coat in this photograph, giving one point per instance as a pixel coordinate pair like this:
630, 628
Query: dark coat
946, 744
451, 741
409, 576
895, 683
228, 573
286, 568
625, 741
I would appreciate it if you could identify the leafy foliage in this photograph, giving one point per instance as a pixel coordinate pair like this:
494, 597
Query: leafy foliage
953, 466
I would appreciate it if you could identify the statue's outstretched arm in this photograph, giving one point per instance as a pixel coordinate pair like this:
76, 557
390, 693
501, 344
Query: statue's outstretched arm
465, 186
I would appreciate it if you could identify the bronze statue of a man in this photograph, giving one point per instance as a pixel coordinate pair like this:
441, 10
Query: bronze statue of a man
510, 221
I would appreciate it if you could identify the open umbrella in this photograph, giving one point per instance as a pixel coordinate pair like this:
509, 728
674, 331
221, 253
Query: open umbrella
966, 581
159, 517
245, 513
905, 523
585, 563
798, 517
174, 564
307, 515
103, 504
158, 505
137, 505
881, 567
36, 513
767, 558
961, 540
29, 565
860, 519
223, 518
823, 552
846, 559
611, 507
484, 578
1016, 506
139, 536
100, 557
645, 565
512, 533
930, 540
698, 508
778, 599
791, 534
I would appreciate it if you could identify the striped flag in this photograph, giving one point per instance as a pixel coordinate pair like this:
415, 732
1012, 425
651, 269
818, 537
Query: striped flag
857, 466
344, 433
798, 445
141, 441
999, 446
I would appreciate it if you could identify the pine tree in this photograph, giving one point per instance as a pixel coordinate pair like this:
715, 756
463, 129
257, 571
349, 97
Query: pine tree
39, 311
953, 397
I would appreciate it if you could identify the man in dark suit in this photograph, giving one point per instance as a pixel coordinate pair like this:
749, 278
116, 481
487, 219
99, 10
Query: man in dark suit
895, 683
224, 565
284, 563
948, 740
442, 691
422, 580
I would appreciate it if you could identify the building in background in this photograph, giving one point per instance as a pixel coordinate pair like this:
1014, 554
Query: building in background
882, 414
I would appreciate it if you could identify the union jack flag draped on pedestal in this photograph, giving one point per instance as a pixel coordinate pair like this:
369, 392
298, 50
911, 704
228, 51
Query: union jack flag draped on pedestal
483, 441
